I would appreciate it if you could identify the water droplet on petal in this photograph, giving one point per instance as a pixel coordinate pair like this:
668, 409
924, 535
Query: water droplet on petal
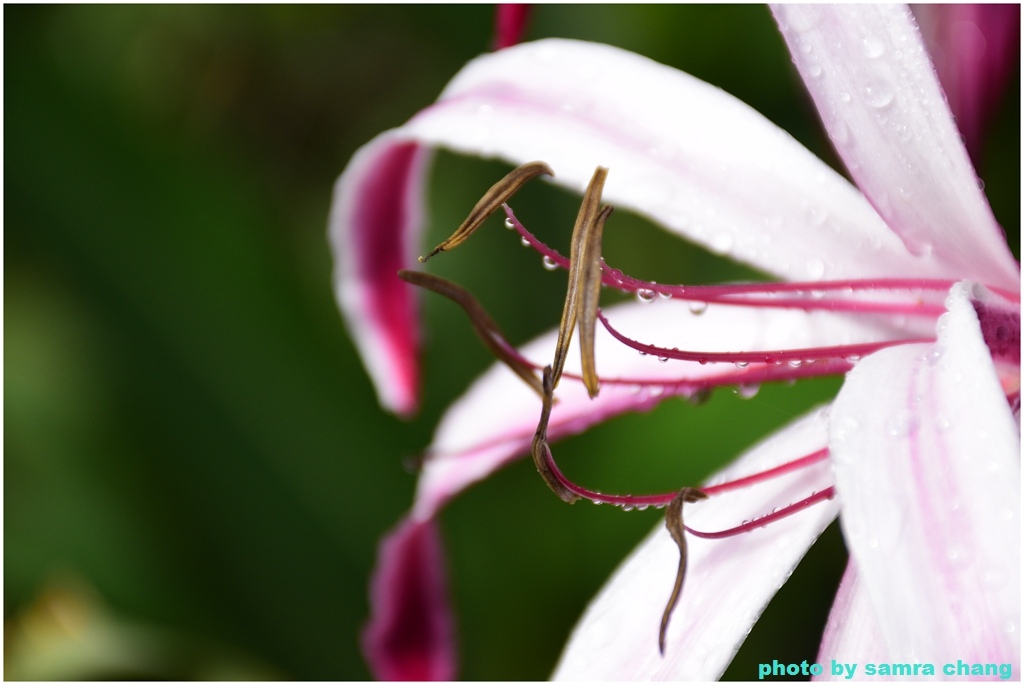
872, 47
878, 95
742, 365
697, 307
956, 553
816, 215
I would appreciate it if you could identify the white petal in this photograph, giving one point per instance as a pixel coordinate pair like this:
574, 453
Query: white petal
876, 91
728, 582
852, 637
927, 460
680, 151
496, 418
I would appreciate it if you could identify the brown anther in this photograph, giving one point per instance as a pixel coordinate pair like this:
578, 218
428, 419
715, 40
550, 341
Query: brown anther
674, 523
582, 244
590, 295
499, 193
486, 329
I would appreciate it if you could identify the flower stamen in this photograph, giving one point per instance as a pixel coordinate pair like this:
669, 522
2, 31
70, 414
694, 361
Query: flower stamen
676, 528
583, 275
495, 197
810, 295
767, 357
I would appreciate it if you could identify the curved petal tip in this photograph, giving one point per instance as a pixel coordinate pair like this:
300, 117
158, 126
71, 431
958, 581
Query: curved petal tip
411, 634
376, 218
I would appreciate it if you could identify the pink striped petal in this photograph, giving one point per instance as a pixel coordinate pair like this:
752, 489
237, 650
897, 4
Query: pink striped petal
974, 48
852, 637
410, 635
684, 153
494, 422
876, 91
927, 460
376, 219
728, 584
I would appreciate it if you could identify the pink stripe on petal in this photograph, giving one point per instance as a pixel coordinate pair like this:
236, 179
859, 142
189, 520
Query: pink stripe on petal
877, 93
410, 635
376, 219
926, 452
852, 637
680, 151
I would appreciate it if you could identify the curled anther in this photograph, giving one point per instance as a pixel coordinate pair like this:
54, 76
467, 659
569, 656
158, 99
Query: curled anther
499, 193
587, 221
674, 523
541, 451
486, 329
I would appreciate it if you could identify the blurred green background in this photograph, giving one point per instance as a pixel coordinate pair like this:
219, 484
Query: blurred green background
196, 472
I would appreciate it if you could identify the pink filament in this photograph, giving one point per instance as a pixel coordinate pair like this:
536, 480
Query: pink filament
767, 357
807, 295
660, 500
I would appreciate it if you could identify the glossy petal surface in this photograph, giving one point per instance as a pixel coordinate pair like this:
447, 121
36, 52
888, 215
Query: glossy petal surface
852, 636
927, 461
682, 152
877, 93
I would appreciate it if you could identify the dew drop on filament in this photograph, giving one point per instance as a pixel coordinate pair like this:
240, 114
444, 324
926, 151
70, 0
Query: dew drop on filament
697, 307
510, 225
549, 263
747, 390
645, 295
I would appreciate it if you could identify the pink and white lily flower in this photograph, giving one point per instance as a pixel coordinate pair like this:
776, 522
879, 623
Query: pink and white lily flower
903, 282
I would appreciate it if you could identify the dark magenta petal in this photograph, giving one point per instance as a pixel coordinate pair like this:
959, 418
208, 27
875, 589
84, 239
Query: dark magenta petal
411, 633
509, 24
975, 49
374, 231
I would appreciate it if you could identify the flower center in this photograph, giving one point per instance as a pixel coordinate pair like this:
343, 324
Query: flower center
745, 370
